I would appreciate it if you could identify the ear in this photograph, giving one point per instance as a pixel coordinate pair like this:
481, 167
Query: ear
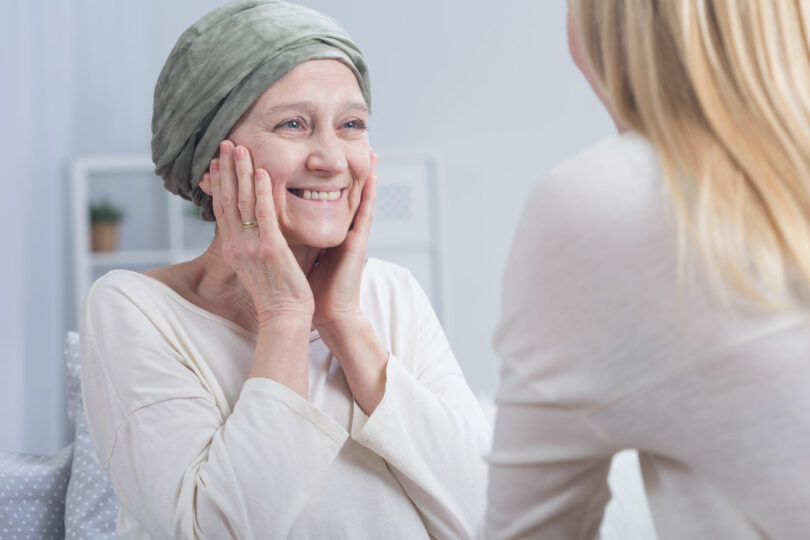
205, 184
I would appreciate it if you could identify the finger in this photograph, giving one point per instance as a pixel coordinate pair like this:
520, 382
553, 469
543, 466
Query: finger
246, 202
227, 186
373, 159
216, 193
365, 213
265, 208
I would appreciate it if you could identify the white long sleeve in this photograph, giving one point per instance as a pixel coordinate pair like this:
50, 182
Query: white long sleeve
425, 426
178, 463
195, 449
604, 346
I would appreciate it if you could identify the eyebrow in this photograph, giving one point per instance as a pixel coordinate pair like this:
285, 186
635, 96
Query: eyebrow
347, 106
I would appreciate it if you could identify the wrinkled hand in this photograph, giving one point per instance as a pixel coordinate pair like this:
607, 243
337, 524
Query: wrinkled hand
335, 279
258, 253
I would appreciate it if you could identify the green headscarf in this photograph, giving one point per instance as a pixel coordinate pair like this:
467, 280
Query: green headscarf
219, 67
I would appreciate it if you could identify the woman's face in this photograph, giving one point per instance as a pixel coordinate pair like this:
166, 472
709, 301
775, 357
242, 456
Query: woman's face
308, 130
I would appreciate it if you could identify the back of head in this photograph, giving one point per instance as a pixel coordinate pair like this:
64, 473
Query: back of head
720, 87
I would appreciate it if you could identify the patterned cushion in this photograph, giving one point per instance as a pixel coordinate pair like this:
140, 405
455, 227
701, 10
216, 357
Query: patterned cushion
32, 495
91, 507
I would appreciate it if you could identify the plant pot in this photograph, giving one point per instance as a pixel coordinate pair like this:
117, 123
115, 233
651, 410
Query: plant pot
104, 235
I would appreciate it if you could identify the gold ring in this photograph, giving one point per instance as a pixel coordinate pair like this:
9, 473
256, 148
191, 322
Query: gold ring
249, 224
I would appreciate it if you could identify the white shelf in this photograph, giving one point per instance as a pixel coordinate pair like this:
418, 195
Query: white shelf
170, 238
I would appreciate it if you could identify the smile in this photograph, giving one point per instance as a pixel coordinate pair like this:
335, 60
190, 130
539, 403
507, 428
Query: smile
311, 195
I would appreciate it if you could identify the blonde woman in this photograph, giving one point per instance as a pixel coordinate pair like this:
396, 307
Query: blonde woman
657, 290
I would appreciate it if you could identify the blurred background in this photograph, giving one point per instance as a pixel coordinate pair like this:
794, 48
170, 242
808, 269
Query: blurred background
484, 89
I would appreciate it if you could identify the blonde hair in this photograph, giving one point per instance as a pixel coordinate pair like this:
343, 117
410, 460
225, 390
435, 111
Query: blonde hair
721, 88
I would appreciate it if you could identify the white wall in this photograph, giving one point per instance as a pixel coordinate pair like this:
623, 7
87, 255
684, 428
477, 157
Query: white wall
488, 86
35, 115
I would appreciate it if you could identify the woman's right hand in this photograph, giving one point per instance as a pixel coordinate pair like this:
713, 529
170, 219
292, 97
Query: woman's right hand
259, 254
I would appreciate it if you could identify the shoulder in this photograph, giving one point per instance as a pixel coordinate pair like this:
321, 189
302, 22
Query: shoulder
123, 295
383, 275
386, 285
592, 263
124, 285
610, 196
621, 152
593, 242
116, 283
394, 302
403, 319
618, 174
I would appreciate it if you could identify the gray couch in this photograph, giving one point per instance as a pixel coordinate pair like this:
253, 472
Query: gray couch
63, 496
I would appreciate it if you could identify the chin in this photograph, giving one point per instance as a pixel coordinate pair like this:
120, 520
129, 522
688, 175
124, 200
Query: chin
326, 243
320, 239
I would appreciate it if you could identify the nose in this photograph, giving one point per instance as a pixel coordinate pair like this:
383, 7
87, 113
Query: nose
327, 156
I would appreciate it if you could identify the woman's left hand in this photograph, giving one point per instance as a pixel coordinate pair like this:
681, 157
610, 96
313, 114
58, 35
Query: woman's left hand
335, 277
335, 284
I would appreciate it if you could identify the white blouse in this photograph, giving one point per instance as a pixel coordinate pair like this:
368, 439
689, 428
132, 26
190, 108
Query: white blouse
196, 450
604, 346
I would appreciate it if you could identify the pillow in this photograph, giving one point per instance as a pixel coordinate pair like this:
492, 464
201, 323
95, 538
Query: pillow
91, 507
32, 494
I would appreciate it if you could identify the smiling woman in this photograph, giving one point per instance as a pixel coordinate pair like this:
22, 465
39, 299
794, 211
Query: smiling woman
281, 385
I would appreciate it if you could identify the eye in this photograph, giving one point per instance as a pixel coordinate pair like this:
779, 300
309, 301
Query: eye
291, 124
355, 124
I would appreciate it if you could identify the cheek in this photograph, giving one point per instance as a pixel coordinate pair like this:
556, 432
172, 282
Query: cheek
279, 163
360, 163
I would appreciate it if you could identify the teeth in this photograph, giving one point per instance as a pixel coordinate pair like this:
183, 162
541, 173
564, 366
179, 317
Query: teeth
310, 195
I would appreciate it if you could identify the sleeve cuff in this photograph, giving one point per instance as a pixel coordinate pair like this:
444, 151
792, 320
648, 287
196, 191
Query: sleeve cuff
298, 405
366, 428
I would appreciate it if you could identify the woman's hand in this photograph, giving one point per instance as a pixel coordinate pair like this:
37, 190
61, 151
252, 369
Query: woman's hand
335, 277
335, 282
252, 242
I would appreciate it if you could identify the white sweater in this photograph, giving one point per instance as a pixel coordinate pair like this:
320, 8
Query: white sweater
603, 348
194, 449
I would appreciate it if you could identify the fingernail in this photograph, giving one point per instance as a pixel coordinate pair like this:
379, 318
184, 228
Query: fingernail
225, 147
239, 152
214, 165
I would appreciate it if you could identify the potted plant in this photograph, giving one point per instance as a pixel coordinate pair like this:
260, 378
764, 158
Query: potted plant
104, 220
